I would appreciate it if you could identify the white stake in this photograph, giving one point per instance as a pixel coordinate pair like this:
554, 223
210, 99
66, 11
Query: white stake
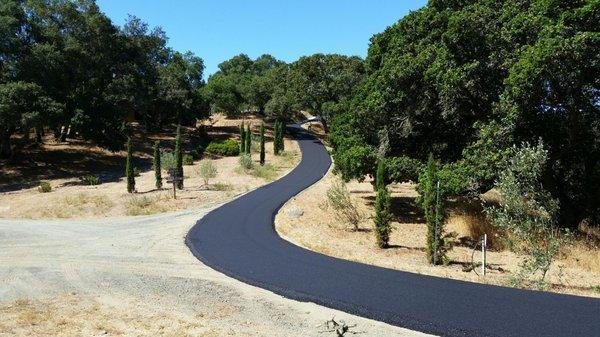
483, 252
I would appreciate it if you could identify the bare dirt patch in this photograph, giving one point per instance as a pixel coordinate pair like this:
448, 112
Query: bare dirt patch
318, 229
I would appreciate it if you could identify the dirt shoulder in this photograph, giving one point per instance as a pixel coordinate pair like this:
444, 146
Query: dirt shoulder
319, 229
70, 198
135, 277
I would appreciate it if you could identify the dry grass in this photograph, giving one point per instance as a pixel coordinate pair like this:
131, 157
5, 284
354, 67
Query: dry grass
72, 199
71, 315
319, 229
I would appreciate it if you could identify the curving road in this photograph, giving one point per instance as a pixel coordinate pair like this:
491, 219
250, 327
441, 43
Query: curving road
239, 240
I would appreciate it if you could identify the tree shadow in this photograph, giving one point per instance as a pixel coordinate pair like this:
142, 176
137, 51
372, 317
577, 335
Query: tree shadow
404, 209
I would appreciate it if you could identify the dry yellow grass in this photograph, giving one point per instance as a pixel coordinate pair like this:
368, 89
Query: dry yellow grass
318, 229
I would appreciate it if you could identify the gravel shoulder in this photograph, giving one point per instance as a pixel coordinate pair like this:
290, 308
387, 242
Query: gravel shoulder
135, 276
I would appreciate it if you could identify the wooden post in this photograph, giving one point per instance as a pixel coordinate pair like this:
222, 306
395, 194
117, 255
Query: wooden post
483, 253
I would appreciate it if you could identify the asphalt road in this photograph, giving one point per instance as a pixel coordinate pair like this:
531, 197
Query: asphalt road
239, 240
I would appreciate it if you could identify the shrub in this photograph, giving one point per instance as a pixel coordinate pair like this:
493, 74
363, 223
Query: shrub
527, 214
433, 200
338, 198
91, 179
44, 187
383, 217
246, 161
262, 144
168, 161
228, 148
129, 167
179, 158
207, 171
157, 165
267, 172
221, 187
188, 159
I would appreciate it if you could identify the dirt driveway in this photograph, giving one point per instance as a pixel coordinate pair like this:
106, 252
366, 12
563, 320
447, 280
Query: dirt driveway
135, 276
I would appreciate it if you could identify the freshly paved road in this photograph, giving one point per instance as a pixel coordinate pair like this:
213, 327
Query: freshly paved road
239, 240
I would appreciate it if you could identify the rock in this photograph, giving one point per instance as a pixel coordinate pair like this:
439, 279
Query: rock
295, 212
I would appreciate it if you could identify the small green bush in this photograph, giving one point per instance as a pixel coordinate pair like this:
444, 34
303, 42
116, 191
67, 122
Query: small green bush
221, 187
207, 171
44, 187
168, 161
267, 172
91, 179
228, 148
246, 161
188, 159
338, 198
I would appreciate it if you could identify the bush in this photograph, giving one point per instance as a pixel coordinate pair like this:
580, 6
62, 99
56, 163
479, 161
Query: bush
383, 217
44, 187
188, 159
402, 169
207, 171
91, 179
227, 148
338, 198
267, 172
246, 161
168, 161
527, 214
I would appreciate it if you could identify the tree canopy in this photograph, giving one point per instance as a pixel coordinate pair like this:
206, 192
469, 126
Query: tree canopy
467, 79
77, 71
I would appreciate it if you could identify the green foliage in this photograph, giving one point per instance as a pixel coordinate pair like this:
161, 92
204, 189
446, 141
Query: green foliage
338, 198
433, 200
381, 175
248, 138
129, 167
157, 165
246, 162
242, 138
179, 158
267, 172
91, 179
228, 148
281, 136
168, 161
188, 159
383, 217
467, 80
527, 214
44, 187
207, 171
276, 138
262, 144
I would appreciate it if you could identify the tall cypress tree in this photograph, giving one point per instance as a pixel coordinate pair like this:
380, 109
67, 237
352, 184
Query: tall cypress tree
433, 206
380, 176
179, 158
248, 139
129, 167
383, 217
242, 139
276, 146
157, 165
281, 134
262, 144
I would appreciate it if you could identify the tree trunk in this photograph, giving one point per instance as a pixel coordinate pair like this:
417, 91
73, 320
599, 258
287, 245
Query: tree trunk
5, 144
38, 134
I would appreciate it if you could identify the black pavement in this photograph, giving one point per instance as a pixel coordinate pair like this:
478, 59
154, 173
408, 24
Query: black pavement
239, 240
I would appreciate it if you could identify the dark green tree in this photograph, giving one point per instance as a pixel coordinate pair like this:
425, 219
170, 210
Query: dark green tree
248, 139
157, 165
262, 143
381, 175
276, 132
242, 138
383, 217
129, 167
432, 201
179, 158
281, 136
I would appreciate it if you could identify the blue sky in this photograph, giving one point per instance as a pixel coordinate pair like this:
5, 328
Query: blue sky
216, 30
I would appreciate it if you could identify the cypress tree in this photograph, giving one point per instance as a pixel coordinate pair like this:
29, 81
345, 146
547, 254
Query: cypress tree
157, 165
129, 167
179, 158
248, 139
433, 207
276, 147
380, 176
262, 144
281, 134
242, 139
383, 217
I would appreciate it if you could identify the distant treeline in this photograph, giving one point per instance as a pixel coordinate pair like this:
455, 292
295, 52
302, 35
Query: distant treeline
65, 67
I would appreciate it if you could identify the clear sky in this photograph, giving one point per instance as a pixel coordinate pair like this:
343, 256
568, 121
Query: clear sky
216, 30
